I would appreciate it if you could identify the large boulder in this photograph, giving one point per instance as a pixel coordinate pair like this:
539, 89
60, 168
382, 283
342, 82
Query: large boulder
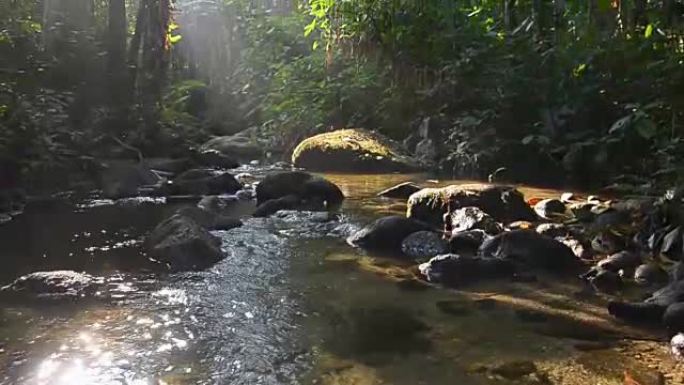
60, 284
243, 145
503, 203
386, 234
296, 190
532, 250
181, 243
352, 150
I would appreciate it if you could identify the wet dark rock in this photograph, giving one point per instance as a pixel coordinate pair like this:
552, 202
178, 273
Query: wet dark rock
608, 243
552, 230
531, 249
606, 281
505, 204
673, 319
423, 245
672, 244
583, 211
548, 208
653, 308
215, 159
400, 191
677, 273
473, 218
467, 242
626, 261
650, 274
454, 308
352, 150
60, 284
611, 218
312, 190
120, 179
386, 234
201, 182
677, 346
515, 370
454, 270
270, 207
181, 243
588, 346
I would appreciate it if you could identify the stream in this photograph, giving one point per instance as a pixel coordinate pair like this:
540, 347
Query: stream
291, 303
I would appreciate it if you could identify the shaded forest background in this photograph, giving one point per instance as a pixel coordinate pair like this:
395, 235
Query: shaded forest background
585, 92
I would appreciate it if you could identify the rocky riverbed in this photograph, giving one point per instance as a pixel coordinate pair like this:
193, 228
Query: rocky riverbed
290, 301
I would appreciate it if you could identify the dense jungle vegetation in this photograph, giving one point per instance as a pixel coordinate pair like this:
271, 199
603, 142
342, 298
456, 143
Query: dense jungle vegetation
588, 92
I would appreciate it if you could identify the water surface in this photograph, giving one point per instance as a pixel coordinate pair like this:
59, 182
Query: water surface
291, 304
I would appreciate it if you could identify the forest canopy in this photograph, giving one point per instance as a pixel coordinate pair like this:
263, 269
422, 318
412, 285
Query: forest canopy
588, 92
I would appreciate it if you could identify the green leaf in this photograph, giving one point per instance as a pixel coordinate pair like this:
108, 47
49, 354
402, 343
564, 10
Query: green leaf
649, 31
315, 45
310, 28
173, 39
579, 70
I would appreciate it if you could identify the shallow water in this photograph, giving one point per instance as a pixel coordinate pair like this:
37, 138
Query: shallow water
291, 304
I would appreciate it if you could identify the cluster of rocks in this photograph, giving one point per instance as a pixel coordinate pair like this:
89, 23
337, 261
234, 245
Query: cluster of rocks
462, 234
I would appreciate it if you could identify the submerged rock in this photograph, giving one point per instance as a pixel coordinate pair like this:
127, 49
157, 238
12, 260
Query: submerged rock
473, 218
531, 249
386, 234
455, 270
352, 150
400, 191
297, 190
54, 285
424, 244
181, 243
504, 204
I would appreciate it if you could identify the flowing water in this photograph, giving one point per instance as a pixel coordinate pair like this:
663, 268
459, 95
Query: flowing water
291, 304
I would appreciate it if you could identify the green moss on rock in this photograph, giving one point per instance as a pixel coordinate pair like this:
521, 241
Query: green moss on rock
352, 150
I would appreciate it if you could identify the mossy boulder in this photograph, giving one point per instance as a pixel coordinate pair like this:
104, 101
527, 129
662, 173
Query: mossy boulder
503, 203
352, 150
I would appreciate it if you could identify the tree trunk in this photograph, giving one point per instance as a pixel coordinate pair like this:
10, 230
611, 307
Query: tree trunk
116, 53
